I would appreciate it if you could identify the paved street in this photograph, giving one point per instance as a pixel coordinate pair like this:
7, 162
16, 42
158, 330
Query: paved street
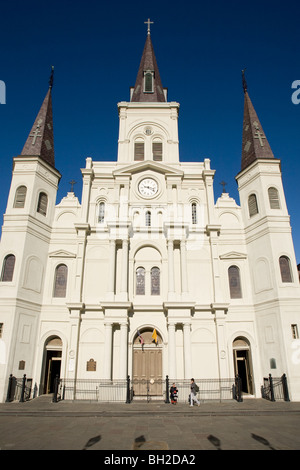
250, 425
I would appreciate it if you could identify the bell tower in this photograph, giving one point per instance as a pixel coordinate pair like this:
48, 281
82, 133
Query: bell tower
25, 241
275, 283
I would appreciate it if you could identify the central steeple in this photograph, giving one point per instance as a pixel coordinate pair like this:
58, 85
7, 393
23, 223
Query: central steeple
148, 86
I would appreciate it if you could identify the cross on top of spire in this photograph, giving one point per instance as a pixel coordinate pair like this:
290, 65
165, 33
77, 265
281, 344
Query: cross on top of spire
148, 22
51, 77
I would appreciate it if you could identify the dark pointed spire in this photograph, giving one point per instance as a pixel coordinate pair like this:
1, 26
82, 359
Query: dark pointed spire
40, 141
148, 86
255, 144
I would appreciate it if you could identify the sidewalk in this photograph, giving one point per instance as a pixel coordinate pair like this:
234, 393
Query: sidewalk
44, 406
254, 424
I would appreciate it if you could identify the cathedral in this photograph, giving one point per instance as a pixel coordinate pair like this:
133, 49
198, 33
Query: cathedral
148, 276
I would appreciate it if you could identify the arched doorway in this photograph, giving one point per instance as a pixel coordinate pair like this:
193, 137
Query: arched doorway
147, 364
52, 364
243, 363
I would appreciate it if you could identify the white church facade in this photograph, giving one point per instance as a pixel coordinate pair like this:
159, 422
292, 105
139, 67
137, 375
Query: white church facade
85, 286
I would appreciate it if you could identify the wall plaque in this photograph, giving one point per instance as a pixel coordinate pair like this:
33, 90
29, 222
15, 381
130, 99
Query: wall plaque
91, 365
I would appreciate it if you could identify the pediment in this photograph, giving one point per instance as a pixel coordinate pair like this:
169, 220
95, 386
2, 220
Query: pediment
233, 255
148, 165
62, 254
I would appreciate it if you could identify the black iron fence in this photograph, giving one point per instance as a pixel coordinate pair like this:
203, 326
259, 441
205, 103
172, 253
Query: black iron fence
210, 389
91, 390
127, 391
275, 388
20, 389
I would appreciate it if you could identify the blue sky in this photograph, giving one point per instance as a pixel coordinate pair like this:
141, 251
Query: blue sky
201, 48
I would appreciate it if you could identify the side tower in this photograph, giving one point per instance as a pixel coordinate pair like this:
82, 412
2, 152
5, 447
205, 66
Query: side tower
275, 282
25, 244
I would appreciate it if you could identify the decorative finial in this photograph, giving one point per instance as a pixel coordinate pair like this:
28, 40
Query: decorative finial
51, 77
224, 186
148, 22
244, 81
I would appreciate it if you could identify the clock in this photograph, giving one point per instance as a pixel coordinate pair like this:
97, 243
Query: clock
148, 187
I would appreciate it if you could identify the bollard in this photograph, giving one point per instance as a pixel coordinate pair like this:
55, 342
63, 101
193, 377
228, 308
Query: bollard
272, 396
285, 388
167, 390
128, 390
22, 399
9, 389
55, 392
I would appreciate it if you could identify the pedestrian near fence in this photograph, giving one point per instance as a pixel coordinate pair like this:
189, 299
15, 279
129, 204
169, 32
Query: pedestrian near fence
193, 394
174, 394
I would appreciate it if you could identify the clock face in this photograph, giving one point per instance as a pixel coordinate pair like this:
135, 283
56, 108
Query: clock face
148, 187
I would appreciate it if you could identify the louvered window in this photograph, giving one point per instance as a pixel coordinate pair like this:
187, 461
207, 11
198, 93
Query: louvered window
194, 213
60, 282
148, 82
273, 198
139, 151
157, 151
234, 282
252, 204
101, 213
20, 197
155, 281
140, 281
8, 268
148, 219
285, 269
42, 204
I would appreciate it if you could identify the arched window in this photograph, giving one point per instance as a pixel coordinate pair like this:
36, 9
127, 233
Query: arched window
42, 204
148, 219
20, 197
60, 282
234, 282
8, 268
194, 213
252, 204
155, 281
139, 153
148, 82
101, 213
140, 281
285, 269
273, 198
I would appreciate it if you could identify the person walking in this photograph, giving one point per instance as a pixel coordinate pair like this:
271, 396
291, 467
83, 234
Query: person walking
193, 394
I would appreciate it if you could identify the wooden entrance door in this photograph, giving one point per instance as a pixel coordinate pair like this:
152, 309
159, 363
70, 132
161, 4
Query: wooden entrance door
147, 372
52, 370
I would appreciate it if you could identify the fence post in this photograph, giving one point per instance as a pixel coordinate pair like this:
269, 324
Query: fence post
128, 390
9, 389
271, 388
55, 392
23, 389
285, 388
238, 382
167, 390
